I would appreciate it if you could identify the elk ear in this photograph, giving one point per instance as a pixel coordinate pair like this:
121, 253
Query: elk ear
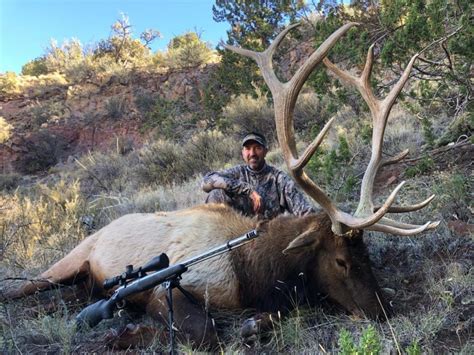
304, 240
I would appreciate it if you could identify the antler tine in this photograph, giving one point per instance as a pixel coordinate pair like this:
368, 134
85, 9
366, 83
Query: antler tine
276, 42
380, 111
362, 83
395, 159
264, 59
361, 222
285, 101
311, 149
305, 70
391, 97
242, 51
401, 231
397, 224
409, 208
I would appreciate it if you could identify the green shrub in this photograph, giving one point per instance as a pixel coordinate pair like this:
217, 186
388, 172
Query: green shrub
366, 133
346, 343
115, 107
327, 163
413, 349
49, 110
35, 67
170, 118
188, 50
208, 151
5, 130
462, 125
343, 151
453, 197
59, 58
425, 165
79, 71
311, 113
369, 343
9, 181
350, 184
251, 114
428, 134
161, 163
121, 48
164, 162
144, 101
104, 172
9, 84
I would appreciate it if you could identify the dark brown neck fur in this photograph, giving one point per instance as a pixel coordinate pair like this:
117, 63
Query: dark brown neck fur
264, 272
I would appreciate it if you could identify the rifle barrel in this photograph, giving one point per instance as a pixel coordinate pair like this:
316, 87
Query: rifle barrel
237, 242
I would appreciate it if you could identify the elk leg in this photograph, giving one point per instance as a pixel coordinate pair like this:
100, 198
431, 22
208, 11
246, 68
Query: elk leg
194, 324
48, 280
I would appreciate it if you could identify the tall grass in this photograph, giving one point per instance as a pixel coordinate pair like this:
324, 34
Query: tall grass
38, 228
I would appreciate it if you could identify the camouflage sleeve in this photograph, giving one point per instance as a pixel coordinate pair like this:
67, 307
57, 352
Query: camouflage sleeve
295, 201
228, 180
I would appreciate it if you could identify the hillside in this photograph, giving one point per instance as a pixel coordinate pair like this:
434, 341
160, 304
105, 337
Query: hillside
72, 119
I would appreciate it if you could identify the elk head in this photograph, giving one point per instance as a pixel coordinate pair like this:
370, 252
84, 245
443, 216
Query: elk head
346, 228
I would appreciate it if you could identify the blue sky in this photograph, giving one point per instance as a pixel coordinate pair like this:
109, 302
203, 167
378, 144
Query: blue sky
27, 26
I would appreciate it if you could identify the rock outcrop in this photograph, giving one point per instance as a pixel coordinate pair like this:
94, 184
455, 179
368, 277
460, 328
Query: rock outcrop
90, 115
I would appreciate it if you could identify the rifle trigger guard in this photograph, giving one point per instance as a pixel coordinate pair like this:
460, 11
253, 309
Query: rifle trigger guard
121, 304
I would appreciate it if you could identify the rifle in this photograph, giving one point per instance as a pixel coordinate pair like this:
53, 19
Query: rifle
104, 309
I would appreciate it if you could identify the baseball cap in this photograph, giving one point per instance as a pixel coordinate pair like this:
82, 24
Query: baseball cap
256, 137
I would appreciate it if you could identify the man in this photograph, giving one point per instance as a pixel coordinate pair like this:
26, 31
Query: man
256, 187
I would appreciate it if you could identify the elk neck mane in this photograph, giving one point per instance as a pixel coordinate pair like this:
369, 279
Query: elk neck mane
265, 270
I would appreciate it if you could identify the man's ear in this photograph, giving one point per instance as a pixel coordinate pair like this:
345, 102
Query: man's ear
304, 240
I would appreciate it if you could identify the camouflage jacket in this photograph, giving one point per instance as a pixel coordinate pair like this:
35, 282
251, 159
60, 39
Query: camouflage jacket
278, 191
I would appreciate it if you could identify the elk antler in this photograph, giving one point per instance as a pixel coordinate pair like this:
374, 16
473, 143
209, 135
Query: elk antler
284, 98
380, 110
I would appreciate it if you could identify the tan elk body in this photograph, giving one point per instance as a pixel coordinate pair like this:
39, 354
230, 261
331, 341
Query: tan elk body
322, 252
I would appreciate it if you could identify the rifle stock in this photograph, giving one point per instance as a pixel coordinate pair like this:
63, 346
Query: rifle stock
104, 309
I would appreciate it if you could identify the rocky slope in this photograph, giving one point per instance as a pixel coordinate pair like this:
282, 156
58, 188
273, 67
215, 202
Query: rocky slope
93, 114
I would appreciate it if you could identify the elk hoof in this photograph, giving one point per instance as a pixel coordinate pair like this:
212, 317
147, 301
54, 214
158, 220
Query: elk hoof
249, 328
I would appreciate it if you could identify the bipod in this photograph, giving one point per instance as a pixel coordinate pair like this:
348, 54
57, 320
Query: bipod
169, 286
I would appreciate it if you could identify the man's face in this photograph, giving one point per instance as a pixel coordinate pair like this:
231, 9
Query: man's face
254, 155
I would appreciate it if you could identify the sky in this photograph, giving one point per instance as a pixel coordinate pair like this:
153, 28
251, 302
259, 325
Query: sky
27, 26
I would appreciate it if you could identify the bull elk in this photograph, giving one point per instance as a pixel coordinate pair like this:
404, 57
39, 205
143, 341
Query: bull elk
304, 256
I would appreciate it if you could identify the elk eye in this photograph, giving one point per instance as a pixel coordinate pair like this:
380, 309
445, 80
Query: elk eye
341, 263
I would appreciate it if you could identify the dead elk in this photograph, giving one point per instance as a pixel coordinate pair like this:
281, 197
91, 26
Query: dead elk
319, 253
292, 254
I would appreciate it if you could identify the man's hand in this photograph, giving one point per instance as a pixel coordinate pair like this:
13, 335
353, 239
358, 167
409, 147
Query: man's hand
256, 201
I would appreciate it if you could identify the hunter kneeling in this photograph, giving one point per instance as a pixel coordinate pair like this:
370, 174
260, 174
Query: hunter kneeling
255, 188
